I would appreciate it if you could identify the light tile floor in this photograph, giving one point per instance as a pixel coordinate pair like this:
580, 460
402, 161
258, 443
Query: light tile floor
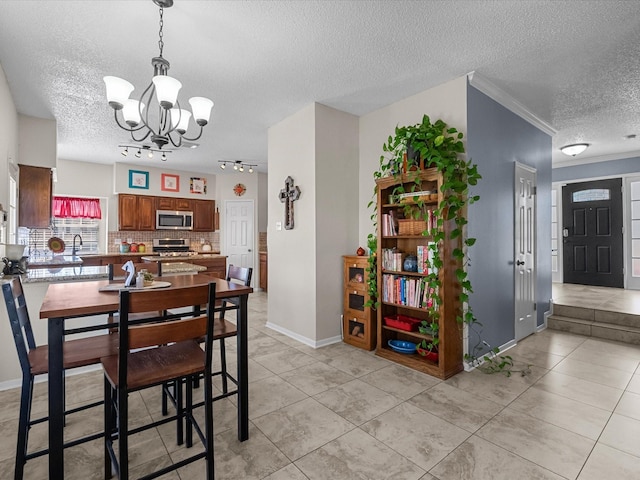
341, 413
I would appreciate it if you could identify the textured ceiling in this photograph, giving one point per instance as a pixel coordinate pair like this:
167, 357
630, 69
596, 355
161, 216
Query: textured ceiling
574, 64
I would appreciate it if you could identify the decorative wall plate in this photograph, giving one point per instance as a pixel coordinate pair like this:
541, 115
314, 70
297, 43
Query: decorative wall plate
239, 189
56, 245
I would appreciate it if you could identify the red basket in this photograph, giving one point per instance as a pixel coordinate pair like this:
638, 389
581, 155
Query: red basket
402, 322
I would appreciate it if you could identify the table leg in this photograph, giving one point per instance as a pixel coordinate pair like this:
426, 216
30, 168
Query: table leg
243, 371
56, 399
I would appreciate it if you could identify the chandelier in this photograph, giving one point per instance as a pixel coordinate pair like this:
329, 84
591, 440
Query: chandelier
171, 122
237, 165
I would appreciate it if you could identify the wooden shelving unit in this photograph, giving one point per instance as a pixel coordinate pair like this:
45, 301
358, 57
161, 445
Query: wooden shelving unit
358, 324
450, 353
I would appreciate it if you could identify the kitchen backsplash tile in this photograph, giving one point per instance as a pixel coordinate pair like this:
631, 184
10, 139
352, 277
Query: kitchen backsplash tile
147, 238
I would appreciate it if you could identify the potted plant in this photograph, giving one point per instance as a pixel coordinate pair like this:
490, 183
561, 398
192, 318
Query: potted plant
429, 348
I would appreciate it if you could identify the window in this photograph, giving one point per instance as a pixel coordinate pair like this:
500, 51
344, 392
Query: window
591, 195
66, 227
635, 229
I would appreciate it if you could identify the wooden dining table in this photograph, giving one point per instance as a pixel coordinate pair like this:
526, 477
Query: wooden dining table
63, 301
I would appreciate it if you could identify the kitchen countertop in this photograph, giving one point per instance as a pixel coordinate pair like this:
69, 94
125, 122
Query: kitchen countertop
55, 261
179, 258
65, 274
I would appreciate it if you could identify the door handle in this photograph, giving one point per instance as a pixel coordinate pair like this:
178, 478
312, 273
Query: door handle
249, 250
565, 232
520, 262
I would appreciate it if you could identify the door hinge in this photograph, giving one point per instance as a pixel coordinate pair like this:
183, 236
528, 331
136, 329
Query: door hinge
535, 190
535, 306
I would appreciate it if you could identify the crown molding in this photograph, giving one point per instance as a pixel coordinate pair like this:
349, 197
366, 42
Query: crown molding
478, 82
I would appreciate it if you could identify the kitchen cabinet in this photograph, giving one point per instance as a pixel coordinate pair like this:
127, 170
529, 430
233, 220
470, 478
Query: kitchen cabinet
263, 271
216, 266
136, 212
34, 197
203, 215
171, 203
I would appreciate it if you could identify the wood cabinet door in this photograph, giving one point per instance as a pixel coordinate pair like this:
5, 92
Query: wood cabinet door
183, 204
203, 215
34, 197
127, 212
263, 271
165, 203
146, 213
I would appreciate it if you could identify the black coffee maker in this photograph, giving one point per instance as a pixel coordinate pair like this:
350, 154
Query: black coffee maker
14, 267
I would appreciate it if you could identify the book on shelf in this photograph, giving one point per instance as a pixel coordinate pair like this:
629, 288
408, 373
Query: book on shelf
405, 291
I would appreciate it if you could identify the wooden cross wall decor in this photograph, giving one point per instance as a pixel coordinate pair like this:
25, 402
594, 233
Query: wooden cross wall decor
288, 195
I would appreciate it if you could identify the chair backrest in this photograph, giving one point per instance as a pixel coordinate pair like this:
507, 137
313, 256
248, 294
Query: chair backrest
19, 319
116, 272
154, 332
240, 275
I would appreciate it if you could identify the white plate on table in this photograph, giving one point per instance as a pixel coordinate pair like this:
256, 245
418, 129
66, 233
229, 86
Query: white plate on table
120, 286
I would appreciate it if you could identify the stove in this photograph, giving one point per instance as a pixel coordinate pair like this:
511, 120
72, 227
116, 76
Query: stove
172, 247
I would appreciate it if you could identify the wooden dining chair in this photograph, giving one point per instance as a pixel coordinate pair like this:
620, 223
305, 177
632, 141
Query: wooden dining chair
222, 329
115, 272
151, 353
227, 329
34, 361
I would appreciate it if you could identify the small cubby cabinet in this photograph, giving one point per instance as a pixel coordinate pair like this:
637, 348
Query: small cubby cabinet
358, 324
450, 352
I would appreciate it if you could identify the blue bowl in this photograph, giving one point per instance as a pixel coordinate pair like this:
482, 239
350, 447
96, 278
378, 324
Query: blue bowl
402, 346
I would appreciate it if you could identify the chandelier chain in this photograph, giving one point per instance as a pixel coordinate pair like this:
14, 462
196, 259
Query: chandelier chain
160, 34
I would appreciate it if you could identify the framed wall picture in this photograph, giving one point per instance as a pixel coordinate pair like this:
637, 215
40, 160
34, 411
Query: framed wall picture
170, 183
199, 185
138, 179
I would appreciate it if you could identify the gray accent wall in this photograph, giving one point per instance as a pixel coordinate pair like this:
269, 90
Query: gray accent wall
496, 139
597, 169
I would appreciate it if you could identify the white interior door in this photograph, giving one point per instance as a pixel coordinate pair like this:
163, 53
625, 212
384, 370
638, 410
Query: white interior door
239, 237
632, 238
525, 251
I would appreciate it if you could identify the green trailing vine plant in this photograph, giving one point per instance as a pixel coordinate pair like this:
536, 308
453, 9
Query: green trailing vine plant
426, 145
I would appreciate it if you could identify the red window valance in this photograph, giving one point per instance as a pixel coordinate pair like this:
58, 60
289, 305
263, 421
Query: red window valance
73, 207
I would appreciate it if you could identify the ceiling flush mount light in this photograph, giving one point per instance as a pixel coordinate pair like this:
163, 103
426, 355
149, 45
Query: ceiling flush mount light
171, 122
575, 149
144, 148
237, 165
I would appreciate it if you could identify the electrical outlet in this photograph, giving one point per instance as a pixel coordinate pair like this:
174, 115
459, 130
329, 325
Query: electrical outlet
117, 241
278, 225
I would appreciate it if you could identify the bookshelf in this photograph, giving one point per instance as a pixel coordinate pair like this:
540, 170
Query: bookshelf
358, 324
401, 293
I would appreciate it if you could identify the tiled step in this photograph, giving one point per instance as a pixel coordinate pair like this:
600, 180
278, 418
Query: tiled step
600, 316
599, 329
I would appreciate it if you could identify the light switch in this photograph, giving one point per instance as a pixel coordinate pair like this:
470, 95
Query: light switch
278, 225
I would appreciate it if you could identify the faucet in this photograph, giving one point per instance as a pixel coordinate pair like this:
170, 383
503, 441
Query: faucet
74, 250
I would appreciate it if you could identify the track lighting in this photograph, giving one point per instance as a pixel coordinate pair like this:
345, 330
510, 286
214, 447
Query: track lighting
238, 165
144, 148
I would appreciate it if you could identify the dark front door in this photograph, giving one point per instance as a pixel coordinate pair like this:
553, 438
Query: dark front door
592, 233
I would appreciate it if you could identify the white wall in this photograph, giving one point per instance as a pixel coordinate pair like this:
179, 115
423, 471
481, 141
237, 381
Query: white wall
38, 141
8, 138
263, 202
318, 148
156, 168
336, 204
447, 101
292, 253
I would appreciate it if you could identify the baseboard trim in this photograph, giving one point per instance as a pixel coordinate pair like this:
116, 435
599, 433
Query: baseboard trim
17, 383
503, 348
307, 341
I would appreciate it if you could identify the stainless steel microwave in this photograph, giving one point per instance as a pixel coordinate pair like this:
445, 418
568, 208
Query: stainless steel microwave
170, 220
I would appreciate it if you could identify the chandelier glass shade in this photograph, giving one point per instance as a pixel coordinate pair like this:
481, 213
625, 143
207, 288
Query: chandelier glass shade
171, 122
